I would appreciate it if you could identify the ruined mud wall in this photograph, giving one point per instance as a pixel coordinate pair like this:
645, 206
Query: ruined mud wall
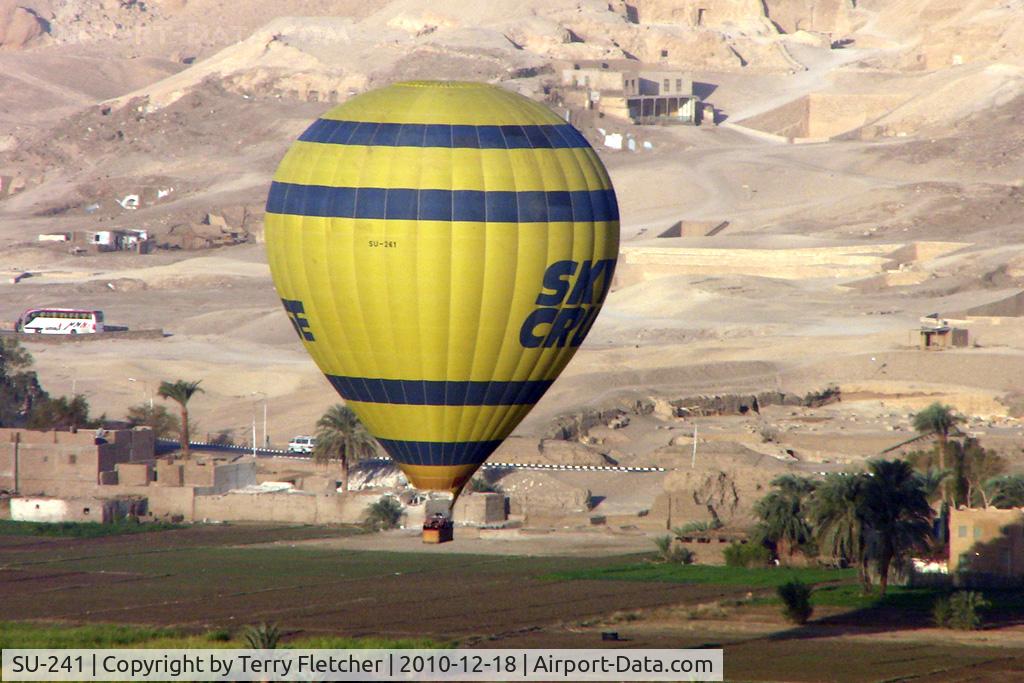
718, 14
826, 16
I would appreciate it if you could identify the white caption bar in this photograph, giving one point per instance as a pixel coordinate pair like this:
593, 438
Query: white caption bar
362, 665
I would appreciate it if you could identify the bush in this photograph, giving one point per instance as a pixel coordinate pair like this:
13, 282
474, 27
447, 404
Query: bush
747, 555
263, 636
959, 611
221, 635
62, 413
670, 553
482, 485
696, 527
941, 612
684, 555
796, 601
815, 399
384, 514
225, 437
157, 418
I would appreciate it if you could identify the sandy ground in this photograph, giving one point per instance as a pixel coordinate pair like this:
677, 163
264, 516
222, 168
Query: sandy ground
498, 542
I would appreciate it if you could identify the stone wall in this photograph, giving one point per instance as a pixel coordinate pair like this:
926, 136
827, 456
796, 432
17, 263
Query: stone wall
639, 264
987, 541
285, 508
475, 509
65, 463
820, 116
58, 510
134, 473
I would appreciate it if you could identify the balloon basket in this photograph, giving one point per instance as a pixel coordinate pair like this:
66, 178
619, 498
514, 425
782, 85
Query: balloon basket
437, 535
437, 529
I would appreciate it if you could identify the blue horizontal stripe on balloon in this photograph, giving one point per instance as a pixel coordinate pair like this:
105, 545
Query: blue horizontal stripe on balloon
439, 393
443, 135
437, 453
442, 205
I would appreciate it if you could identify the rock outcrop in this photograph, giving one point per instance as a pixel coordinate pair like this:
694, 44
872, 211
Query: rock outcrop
20, 26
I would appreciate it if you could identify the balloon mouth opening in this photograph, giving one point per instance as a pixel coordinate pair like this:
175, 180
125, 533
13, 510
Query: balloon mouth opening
460, 85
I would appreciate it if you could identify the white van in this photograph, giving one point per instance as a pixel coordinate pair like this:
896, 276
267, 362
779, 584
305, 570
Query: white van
301, 444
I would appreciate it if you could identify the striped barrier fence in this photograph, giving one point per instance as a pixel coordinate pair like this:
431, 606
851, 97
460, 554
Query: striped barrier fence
285, 455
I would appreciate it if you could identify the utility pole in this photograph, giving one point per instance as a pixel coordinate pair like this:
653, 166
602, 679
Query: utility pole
17, 443
266, 437
693, 460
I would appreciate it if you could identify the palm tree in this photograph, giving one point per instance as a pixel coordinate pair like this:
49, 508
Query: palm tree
931, 482
340, 434
180, 392
782, 514
897, 514
837, 513
939, 420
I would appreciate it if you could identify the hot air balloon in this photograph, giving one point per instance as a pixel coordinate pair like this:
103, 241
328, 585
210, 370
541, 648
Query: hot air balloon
442, 249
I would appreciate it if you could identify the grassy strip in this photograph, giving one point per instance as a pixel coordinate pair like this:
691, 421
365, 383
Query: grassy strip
15, 634
852, 596
338, 643
903, 598
80, 529
768, 577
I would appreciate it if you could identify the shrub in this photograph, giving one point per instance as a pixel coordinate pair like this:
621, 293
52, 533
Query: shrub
157, 418
829, 394
941, 612
482, 485
796, 601
384, 514
697, 527
225, 437
747, 555
959, 611
263, 636
684, 555
671, 553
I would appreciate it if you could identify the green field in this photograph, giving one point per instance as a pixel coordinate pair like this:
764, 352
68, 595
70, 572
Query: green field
81, 529
697, 573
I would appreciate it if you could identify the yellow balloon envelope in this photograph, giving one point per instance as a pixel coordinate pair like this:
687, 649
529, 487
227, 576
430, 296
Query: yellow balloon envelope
442, 249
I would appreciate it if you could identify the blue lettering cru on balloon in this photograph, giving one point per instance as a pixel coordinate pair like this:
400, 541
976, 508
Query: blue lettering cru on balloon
568, 308
297, 314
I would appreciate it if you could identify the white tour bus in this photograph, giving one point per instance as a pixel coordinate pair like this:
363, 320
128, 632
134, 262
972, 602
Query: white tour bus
60, 321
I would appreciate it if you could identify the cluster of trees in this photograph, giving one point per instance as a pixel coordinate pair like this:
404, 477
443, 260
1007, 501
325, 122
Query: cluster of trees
872, 520
24, 403
960, 471
877, 519
19, 387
